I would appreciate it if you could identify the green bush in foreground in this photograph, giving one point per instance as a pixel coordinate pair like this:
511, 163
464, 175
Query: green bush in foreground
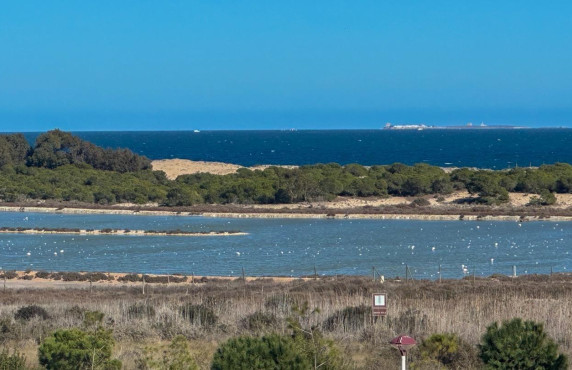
75, 349
14, 361
268, 352
176, 356
518, 344
446, 351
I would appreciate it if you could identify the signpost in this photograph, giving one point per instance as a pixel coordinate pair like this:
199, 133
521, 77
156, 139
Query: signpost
379, 304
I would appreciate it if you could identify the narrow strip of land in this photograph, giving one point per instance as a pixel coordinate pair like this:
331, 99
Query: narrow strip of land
483, 213
22, 230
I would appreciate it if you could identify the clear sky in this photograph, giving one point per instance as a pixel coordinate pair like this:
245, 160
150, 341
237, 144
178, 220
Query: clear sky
168, 65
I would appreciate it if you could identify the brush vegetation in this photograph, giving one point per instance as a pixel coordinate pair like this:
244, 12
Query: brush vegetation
62, 167
324, 321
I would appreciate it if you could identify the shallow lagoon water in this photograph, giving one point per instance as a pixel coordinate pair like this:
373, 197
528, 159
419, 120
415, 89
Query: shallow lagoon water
289, 247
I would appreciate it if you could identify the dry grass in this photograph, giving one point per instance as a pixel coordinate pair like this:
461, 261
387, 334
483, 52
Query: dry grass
417, 308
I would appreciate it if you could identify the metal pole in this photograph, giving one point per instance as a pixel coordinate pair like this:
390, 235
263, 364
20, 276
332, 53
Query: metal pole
315, 272
406, 273
513, 270
403, 362
373, 273
439, 273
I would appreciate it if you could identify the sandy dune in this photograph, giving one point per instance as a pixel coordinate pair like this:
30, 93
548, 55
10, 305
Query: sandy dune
177, 167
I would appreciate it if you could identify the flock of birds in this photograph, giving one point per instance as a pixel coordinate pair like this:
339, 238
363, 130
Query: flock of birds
336, 249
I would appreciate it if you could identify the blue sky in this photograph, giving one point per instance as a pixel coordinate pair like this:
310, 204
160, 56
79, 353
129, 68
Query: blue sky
169, 65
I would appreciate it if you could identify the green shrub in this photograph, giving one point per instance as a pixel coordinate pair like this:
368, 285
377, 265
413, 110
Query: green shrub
43, 275
14, 361
199, 315
9, 275
448, 351
75, 349
310, 342
420, 202
268, 352
175, 356
518, 344
546, 198
131, 278
28, 312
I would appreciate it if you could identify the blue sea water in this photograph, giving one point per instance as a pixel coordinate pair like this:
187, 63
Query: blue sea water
289, 247
294, 246
482, 148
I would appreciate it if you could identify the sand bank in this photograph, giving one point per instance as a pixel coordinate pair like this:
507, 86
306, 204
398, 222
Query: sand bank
124, 232
298, 215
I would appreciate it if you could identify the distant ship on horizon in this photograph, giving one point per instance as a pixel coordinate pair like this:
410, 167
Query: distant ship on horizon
468, 126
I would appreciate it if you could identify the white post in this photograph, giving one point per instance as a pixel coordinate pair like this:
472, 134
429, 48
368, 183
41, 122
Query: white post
403, 365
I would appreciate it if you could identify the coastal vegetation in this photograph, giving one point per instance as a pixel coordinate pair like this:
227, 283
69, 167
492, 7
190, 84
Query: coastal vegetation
62, 167
324, 321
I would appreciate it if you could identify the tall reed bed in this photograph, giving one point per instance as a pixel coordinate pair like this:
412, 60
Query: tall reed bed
210, 313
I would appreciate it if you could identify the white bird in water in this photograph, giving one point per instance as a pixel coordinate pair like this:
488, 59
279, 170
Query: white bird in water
61, 251
433, 249
238, 254
28, 254
492, 261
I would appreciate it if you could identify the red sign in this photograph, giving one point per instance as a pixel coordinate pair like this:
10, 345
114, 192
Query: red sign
379, 304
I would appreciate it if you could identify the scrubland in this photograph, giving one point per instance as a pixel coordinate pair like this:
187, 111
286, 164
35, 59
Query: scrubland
209, 311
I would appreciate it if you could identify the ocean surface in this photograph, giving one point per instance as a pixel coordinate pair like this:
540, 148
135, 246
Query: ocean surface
290, 247
482, 148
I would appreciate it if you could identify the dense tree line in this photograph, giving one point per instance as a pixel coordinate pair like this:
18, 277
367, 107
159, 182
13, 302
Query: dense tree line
63, 167
58, 148
83, 183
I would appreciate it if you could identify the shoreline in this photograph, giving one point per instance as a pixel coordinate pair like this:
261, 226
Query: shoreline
67, 279
298, 214
37, 279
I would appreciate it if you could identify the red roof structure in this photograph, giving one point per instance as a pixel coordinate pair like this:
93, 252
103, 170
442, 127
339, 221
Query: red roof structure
403, 343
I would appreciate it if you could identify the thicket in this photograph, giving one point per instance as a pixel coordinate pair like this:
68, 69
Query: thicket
80, 349
12, 361
259, 353
63, 167
419, 308
57, 148
519, 344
